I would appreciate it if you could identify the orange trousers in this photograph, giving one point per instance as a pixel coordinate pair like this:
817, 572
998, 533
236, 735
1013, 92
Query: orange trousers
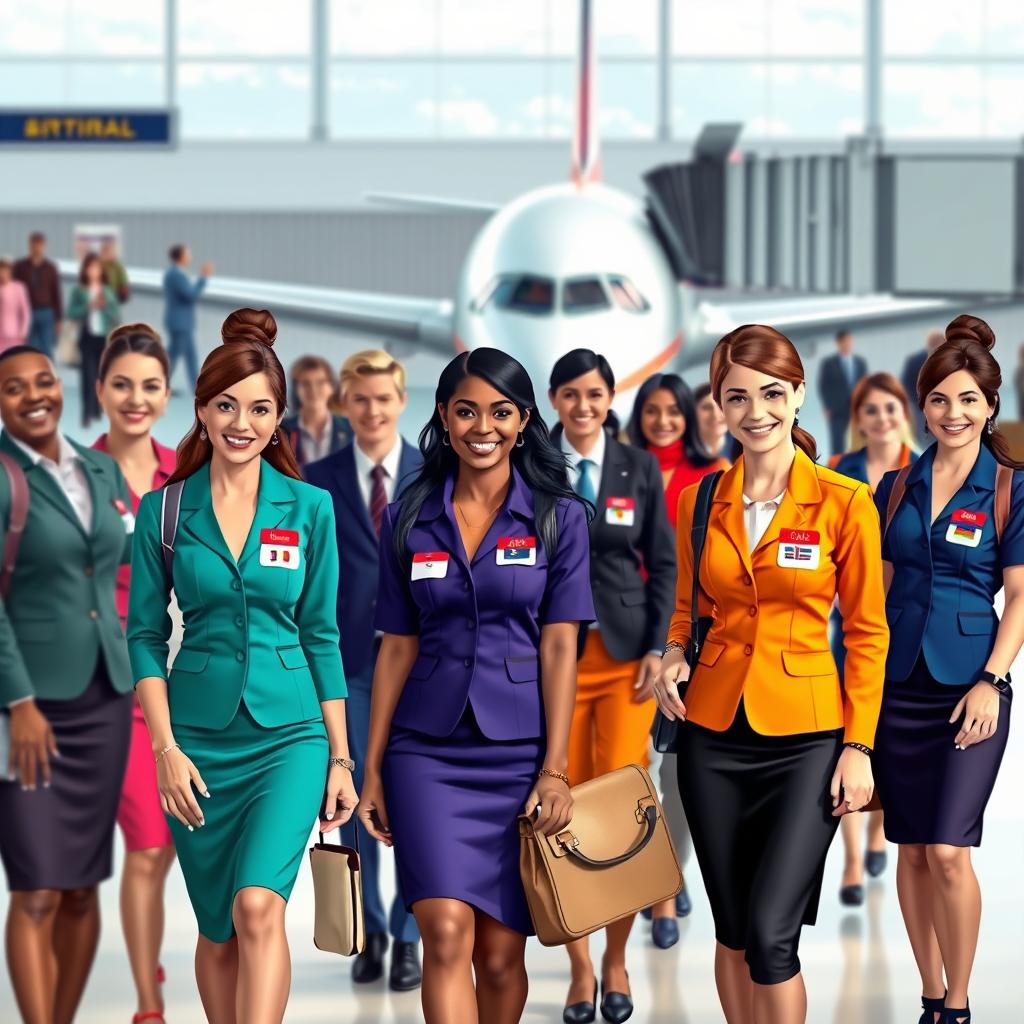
608, 729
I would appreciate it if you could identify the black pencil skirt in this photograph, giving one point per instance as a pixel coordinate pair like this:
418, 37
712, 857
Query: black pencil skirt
63, 837
760, 814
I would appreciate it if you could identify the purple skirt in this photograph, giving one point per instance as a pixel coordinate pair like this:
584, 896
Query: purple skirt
452, 804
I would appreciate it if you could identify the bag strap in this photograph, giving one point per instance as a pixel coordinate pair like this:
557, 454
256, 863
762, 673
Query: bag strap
698, 534
571, 844
170, 504
18, 518
1004, 484
899, 485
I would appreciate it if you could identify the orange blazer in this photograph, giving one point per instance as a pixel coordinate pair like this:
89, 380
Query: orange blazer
769, 641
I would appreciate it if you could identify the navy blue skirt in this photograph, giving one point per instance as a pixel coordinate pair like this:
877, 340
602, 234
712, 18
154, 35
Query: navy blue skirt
930, 791
452, 804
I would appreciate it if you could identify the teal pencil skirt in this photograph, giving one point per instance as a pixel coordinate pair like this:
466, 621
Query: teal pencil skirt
266, 787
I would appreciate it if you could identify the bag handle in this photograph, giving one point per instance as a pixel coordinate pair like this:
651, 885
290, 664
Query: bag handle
698, 534
18, 518
572, 845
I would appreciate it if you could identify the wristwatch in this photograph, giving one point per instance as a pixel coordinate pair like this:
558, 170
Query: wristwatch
1001, 683
341, 762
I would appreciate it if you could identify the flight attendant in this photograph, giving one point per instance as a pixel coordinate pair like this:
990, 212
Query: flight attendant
133, 392
880, 428
946, 713
65, 682
632, 573
248, 727
774, 750
483, 584
664, 421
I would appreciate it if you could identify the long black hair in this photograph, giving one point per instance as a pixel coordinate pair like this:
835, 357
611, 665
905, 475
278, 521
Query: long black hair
683, 397
574, 364
542, 466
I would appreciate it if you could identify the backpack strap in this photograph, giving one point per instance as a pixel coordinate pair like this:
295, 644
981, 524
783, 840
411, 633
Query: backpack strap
698, 534
1004, 485
899, 485
18, 518
170, 503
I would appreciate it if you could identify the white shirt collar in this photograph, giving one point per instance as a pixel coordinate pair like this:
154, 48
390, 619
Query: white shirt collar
66, 453
364, 464
774, 502
596, 456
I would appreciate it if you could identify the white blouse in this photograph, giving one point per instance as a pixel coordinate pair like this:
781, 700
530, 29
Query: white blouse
758, 516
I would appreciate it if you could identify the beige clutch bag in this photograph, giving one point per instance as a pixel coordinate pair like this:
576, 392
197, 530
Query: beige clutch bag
338, 894
614, 858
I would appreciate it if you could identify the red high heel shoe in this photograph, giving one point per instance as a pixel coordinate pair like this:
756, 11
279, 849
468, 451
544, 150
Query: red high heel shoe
161, 974
154, 1015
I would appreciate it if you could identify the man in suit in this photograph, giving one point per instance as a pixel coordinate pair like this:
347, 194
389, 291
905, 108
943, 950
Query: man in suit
836, 380
362, 478
180, 297
908, 378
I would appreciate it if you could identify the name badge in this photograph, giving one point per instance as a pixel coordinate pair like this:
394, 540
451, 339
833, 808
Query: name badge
799, 549
517, 551
429, 565
127, 516
965, 528
620, 511
279, 549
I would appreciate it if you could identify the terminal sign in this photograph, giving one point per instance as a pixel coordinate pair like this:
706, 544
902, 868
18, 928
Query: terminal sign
105, 127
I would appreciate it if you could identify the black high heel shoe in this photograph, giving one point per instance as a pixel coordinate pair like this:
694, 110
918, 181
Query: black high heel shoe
956, 1016
931, 1007
616, 1007
581, 1013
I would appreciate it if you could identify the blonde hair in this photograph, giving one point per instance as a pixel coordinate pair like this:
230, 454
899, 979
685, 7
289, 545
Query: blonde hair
373, 360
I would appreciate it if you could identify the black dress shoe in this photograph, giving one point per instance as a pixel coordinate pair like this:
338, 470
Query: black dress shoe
369, 965
875, 862
851, 895
683, 904
664, 932
405, 967
581, 1013
616, 1006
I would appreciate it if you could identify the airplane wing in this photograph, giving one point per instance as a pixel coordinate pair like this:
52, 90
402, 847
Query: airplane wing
423, 320
430, 204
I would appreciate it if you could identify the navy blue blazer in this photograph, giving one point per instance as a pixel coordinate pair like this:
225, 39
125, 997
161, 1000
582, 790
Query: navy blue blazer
341, 435
855, 464
359, 561
942, 593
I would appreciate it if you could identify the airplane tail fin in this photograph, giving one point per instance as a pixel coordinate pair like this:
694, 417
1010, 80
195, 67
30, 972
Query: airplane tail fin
586, 150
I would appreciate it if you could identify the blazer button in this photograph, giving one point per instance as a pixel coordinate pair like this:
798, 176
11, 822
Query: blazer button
240, 656
470, 624
88, 570
467, 662
239, 621
236, 584
753, 610
748, 581
748, 650
93, 614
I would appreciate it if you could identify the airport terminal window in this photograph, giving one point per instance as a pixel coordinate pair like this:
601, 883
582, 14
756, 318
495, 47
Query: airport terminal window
222, 30
583, 295
521, 293
626, 294
83, 27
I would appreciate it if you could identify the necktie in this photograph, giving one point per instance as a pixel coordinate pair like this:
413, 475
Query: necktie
378, 496
585, 484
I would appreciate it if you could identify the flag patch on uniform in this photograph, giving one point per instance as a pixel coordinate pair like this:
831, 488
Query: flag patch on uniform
517, 551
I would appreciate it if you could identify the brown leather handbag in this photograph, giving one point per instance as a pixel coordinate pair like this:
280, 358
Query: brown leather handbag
613, 859
338, 896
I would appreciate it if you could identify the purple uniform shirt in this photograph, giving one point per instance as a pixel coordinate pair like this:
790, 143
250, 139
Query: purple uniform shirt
479, 622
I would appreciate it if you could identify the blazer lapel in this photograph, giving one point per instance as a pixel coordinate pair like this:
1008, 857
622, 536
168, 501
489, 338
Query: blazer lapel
40, 482
802, 490
348, 488
273, 503
197, 516
727, 511
518, 505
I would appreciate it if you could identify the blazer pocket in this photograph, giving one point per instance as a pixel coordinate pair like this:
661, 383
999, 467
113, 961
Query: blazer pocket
35, 631
809, 663
293, 656
423, 667
976, 623
632, 598
710, 652
524, 669
190, 660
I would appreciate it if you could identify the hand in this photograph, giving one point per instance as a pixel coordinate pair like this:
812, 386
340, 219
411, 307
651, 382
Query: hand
206, 269
98, 301
643, 688
341, 798
32, 745
674, 670
555, 801
980, 708
371, 811
175, 777
853, 777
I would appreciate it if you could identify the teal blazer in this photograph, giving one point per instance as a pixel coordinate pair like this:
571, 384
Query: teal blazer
259, 631
60, 614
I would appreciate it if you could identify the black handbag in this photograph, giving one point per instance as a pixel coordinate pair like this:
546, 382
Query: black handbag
665, 732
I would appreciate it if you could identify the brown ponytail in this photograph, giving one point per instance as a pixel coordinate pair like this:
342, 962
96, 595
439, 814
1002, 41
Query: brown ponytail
968, 346
247, 337
765, 350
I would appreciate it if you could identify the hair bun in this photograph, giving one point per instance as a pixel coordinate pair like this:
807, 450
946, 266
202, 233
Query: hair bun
249, 325
971, 328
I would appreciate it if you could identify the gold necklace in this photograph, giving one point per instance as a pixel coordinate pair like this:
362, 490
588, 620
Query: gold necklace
478, 526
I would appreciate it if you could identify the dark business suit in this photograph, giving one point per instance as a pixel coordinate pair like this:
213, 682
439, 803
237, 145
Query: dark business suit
341, 435
357, 599
836, 388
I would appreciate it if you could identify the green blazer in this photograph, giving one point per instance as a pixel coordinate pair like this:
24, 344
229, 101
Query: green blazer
264, 630
60, 613
78, 307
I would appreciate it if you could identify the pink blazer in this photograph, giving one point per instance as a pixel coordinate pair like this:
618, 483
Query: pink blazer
15, 314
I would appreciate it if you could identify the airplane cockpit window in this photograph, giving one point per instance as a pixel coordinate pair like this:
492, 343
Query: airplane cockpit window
625, 294
521, 293
584, 295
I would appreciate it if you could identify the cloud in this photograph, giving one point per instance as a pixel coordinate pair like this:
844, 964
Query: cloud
461, 116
